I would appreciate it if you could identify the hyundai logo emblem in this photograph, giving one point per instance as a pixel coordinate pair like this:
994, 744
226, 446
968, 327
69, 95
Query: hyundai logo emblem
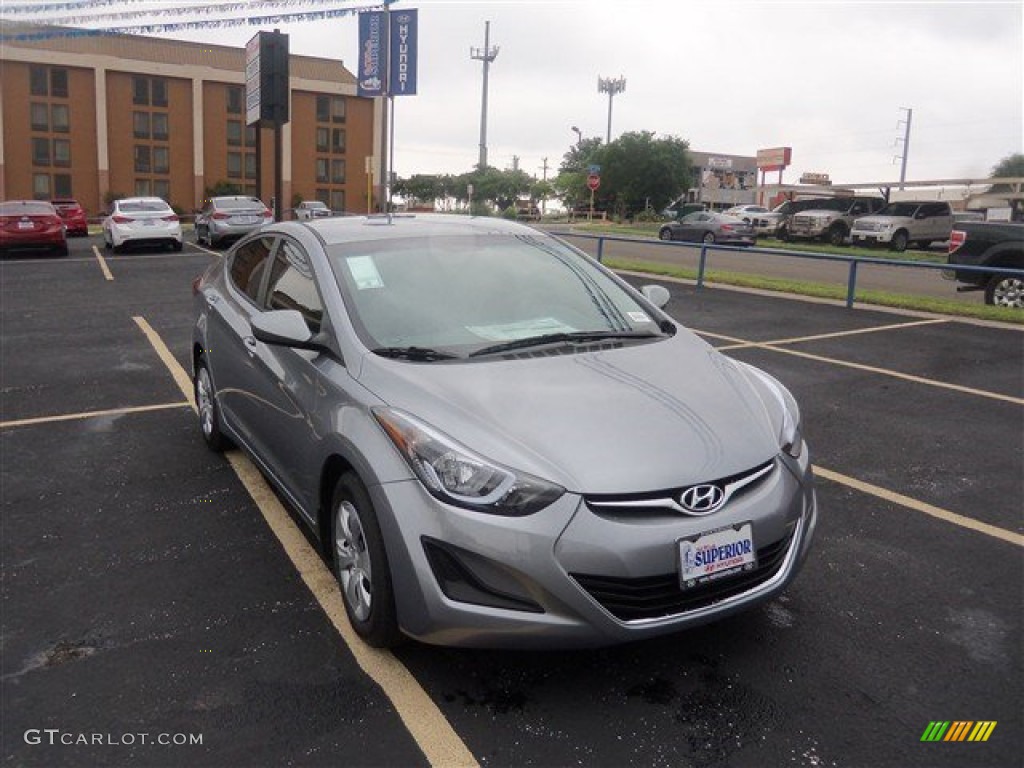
702, 499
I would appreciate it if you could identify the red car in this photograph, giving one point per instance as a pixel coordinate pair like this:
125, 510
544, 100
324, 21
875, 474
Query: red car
32, 224
73, 215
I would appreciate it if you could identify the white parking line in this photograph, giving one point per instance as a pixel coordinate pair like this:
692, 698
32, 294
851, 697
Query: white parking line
836, 335
746, 344
426, 723
92, 414
103, 263
919, 506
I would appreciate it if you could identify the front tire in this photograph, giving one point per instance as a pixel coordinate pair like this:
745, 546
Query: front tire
1005, 291
360, 564
836, 236
899, 242
209, 413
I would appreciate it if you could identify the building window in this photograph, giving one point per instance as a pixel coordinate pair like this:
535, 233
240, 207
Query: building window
62, 185
161, 160
143, 188
338, 140
250, 165
38, 81
337, 109
40, 117
323, 109
235, 100
162, 188
322, 139
234, 133
140, 90
249, 189
40, 151
59, 83
337, 200
160, 131
321, 170
142, 159
250, 135
140, 125
337, 171
59, 118
158, 87
324, 196
62, 152
234, 165
41, 186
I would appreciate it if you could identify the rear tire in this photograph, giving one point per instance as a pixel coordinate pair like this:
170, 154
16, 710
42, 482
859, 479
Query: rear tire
1005, 291
209, 412
709, 238
61, 250
665, 233
176, 245
360, 564
782, 234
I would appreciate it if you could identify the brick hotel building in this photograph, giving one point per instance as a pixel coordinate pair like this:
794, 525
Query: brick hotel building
94, 117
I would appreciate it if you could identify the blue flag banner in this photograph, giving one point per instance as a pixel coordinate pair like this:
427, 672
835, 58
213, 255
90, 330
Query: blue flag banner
372, 53
404, 28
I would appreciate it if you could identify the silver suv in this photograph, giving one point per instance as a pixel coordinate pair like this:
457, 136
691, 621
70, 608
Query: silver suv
901, 224
831, 221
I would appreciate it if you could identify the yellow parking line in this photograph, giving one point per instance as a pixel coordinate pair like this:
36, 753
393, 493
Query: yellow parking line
103, 263
421, 716
745, 344
836, 335
91, 414
920, 506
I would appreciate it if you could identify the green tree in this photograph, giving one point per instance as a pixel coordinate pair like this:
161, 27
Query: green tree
638, 170
223, 188
1011, 166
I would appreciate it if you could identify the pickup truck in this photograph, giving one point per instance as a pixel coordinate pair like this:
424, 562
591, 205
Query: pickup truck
989, 244
832, 219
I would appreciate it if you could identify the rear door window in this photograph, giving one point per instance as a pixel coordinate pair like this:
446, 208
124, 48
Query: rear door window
249, 266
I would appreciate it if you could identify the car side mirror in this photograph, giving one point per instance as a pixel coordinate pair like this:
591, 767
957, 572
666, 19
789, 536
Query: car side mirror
284, 328
658, 295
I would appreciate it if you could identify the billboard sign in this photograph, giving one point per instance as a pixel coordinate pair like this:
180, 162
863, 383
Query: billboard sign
402, 70
372, 54
821, 179
774, 159
266, 78
252, 80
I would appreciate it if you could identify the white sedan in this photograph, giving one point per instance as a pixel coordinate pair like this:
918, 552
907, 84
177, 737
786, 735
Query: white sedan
141, 221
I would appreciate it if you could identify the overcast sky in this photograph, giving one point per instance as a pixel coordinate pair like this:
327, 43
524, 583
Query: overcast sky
827, 78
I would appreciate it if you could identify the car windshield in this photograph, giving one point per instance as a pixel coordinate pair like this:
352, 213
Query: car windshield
317, 204
899, 209
23, 209
235, 203
463, 294
141, 206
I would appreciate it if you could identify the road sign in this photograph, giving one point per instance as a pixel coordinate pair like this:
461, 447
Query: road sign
593, 181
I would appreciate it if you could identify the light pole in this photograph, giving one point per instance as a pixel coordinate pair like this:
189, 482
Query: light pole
579, 135
611, 87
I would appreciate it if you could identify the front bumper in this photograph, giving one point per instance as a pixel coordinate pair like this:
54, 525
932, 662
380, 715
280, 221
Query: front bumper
870, 238
530, 582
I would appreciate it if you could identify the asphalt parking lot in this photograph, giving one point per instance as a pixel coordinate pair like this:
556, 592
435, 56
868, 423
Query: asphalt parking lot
146, 591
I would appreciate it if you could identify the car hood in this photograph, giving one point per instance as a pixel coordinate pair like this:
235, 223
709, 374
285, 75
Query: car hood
636, 418
881, 219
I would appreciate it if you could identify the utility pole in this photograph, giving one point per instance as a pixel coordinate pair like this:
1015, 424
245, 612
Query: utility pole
487, 54
611, 87
544, 200
906, 144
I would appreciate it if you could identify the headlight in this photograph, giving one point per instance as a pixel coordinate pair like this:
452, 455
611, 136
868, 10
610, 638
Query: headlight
791, 438
456, 475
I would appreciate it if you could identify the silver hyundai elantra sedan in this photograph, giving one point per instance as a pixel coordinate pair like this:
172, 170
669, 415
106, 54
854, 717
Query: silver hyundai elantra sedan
497, 441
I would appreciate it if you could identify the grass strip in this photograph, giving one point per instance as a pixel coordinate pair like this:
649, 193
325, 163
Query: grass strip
826, 291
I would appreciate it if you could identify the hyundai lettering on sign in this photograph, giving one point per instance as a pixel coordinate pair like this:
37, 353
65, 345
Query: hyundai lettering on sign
372, 53
404, 26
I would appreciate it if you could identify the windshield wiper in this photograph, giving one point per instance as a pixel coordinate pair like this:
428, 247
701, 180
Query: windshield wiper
419, 354
562, 338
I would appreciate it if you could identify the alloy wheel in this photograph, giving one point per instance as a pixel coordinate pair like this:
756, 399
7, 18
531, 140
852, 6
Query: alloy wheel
355, 571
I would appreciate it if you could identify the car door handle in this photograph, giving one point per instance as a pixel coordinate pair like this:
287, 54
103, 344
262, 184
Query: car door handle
250, 345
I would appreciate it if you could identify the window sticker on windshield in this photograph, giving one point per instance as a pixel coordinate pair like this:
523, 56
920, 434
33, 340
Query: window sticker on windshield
364, 272
638, 317
524, 329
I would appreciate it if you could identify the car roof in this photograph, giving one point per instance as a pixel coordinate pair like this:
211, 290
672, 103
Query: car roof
141, 200
234, 197
344, 229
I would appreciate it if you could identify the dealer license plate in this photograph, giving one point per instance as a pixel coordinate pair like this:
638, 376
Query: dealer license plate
26, 225
716, 554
